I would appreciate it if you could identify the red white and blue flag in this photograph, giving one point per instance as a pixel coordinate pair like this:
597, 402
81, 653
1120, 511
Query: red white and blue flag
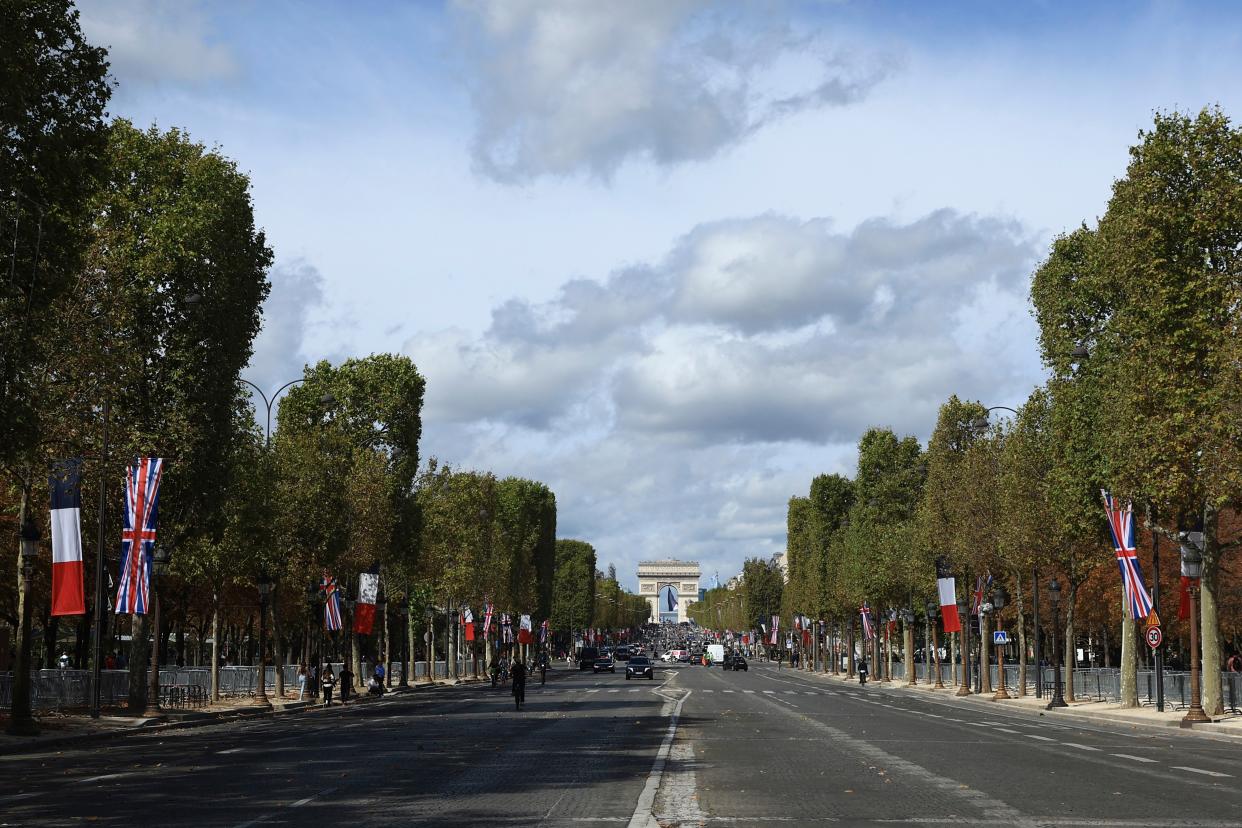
776, 625
543, 632
142, 492
488, 610
331, 602
946, 590
867, 626
524, 630
467, 622
506, 629
364, 608
67, 591
1121, 526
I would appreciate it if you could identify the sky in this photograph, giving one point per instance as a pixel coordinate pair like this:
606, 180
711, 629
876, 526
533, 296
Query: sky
671, 258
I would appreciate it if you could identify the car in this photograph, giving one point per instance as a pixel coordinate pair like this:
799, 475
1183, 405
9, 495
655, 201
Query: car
604, 662
586, 658
736, 661
640, 667
623, 653
683, 657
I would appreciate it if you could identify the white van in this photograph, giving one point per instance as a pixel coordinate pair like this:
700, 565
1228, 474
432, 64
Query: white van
716, 651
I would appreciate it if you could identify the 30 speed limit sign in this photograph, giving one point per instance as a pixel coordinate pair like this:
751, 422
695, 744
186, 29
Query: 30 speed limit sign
1154, 637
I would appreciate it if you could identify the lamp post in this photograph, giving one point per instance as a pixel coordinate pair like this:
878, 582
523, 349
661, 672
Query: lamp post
1192, 568
403, 614
264, 584
347, 662
21, 721
314, 658
383, 651
931, 610
964, 690
1054, 598
1000, 597
159, 561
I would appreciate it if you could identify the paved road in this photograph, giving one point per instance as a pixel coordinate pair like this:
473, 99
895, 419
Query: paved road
765, 747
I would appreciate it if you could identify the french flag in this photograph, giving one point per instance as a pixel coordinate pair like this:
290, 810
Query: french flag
946, 587
364, 610
67, 592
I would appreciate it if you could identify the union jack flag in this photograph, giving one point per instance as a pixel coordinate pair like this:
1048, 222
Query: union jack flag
868, 627
506, 629
331, 592
142, 493
1121, 526
488, 610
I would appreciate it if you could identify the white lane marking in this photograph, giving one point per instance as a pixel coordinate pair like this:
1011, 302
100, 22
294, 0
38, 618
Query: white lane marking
1202, 771
16, 797
230, 750
751, 691
1007, 730
728, 691
596, 690
770, 692
634, 689
1040, 738
934, 715
1132, 758
643, 816
615, 690
701, 691
311, 798
102, 778
787, 692
1080, 747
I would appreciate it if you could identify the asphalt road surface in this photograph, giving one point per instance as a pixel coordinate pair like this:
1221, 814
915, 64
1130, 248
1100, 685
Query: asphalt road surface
697, 746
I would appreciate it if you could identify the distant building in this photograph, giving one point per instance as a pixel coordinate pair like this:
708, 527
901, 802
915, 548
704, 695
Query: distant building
782, 560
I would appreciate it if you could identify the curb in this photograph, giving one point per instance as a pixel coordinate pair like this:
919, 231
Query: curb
1213, 730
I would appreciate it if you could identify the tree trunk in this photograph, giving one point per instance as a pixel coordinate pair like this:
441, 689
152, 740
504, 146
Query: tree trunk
1129, 659
985, 639
1070, 660
278, 652
139, 663
215, 647
954, 638
51, 631
1209, 628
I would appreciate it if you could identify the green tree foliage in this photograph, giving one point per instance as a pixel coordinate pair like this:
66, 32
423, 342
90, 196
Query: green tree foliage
53, 91
762, 587
573, 591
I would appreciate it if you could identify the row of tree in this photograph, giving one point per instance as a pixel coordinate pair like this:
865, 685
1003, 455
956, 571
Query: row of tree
131, 295
1139, 322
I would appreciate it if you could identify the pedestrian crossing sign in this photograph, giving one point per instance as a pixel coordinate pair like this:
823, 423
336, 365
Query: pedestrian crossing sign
1000, 637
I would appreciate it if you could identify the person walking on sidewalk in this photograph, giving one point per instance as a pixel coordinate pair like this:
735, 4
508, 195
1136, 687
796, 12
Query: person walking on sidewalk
302, 676
347, 682
328, 682
519, 684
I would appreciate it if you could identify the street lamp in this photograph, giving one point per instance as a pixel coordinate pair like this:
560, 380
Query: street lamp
348, 664
931, 611
1054, 597
159, 562
1000, 597
21, 722
265, 584
403, 613
964, 690
314, 658
1192, 568
383, 650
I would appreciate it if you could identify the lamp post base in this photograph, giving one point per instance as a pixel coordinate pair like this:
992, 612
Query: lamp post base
962, 691
1057, 701
262, 702
1195, 715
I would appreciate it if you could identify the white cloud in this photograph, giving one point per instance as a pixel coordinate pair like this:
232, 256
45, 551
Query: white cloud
152, 42
564, 86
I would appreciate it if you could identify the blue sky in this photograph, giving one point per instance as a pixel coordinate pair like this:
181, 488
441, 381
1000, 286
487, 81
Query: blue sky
670, 257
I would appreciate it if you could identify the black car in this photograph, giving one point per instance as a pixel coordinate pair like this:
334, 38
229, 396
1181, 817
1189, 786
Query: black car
640, 667
586, 658
735, 661
603, 663
623, 653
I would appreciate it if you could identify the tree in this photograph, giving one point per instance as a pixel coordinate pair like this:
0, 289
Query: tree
762, 586
573, 593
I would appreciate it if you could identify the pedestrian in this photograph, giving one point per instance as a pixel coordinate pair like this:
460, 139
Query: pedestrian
328, 682
302, 676
110, 662
379, 672
780, 659
1234, 664
312, 679
543, 668
347, 682
63, 662
519, 684
862, 671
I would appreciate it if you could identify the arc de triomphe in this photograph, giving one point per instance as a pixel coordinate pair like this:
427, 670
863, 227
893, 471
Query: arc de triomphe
656, 579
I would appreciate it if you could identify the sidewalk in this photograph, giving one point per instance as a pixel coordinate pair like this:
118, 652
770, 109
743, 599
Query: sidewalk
1229, 725
58, 730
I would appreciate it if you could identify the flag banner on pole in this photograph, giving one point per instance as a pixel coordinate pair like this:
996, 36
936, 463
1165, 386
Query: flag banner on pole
543, 632
488, 611
524, 630
776, 625
331, 602
364, 610
946, 589
67, 586
467, 620
868, 628
1121, 527
506, 629
142, 492
1183, 603
672, 601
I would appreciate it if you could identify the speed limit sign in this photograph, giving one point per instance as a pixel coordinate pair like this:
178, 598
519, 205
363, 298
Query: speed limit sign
1154, 637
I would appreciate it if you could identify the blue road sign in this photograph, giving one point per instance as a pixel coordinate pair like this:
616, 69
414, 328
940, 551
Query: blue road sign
1000, 637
